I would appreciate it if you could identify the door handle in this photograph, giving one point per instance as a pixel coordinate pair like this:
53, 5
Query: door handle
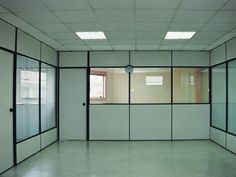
11, 110
83, 104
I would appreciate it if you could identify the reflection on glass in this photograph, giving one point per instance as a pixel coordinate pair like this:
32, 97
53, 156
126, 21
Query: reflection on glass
151, 85
219, 96
108, 85
190, 85
27, 98
232, 97
48, 88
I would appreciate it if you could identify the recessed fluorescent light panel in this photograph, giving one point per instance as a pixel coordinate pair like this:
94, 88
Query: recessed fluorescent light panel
91, 35
179, 34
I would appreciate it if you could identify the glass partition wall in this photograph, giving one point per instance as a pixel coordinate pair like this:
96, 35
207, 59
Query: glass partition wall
163, 85
29, 95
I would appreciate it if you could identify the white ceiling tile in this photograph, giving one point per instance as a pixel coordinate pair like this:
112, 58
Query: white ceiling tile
120, 15
2, 10
154, 15
123, 47
96, 42
219, 27
120, 35
202, 4
185, 26
150, 35
23, 5
39, 17
193, 16
122, 42
71, 41
148, 41
231, 5
208, 35
157, 4
200, 41
79, 27
151, 26
100, 47
64, 35
194, 47
57, 27
128, 26
112, 4
171, 47
67, 5
147, 47
174, 42
77, 47
76, 16
225, 17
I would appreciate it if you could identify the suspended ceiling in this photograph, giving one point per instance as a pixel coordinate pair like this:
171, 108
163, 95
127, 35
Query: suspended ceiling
127, 24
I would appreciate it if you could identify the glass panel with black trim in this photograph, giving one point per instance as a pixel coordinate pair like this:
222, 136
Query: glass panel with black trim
218, 116
151, 85
190, 85
48, 93
27, 98
232, 97
108, 85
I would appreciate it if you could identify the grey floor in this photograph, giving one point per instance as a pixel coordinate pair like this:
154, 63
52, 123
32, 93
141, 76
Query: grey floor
129, 159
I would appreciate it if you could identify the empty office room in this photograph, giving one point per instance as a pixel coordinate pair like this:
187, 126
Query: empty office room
118, 88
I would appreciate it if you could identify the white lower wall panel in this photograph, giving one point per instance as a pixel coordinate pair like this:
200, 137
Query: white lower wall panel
27, 148
48, 137
218, 136
150, 122
231, 143
191, 121
109, 122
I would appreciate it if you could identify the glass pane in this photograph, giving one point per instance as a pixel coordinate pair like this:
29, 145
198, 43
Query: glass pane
151, 85
219, 96
190, 85
48, 89
232, 97
27, 98
108, 85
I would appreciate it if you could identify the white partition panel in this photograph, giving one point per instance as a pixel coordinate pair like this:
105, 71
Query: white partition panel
150, 58
109, 58
191, 121
49, 55
150, 122
27, 148
231, 46
218, 55
109, 122
218, 136
231, 143
73, 59
48, 137
28, 45
191, 59
7, 32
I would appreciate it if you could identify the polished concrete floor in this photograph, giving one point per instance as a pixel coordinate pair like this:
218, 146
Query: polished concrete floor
129, 159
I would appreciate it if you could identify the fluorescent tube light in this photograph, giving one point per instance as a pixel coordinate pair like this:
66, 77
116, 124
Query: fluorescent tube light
179, 34
91, 35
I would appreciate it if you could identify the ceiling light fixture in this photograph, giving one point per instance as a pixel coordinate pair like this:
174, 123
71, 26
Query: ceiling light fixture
91, 35
179, 34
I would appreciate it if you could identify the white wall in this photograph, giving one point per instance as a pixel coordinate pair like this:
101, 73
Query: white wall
49, 55
73, 59
7, 33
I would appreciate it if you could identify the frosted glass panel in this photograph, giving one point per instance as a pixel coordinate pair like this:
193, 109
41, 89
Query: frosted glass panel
151, 85
190, 85
48, 88
27, 98
219, 96
232, 97
109, 85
